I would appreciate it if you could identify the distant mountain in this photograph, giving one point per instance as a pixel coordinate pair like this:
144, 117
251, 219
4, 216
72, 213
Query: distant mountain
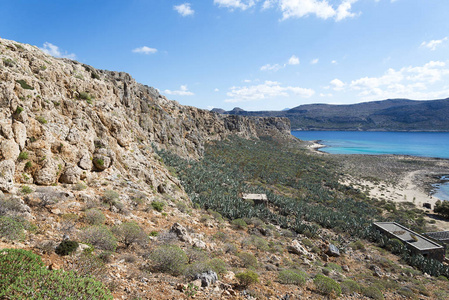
386, 115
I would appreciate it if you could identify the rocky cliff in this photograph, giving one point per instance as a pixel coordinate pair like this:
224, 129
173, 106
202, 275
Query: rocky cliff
63, 121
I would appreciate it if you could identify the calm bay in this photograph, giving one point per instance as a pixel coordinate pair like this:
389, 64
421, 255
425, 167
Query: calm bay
426, 144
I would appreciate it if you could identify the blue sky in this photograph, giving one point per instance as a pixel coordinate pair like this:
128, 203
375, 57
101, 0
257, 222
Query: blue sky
254, 54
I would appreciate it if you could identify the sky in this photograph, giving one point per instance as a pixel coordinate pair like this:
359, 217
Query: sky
252, 54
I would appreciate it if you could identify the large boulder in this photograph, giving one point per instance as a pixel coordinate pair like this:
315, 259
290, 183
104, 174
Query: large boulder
10, 149
181, 233
48, 174
71, 175
103, 159
207, 278
20, 134
7, 169
296, 248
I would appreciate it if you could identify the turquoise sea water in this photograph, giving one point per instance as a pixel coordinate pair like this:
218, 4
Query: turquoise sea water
427, 144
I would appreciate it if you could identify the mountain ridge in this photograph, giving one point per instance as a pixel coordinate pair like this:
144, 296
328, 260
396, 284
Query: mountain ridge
383, 115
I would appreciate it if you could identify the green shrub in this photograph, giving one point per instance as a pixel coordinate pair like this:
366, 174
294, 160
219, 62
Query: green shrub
99, 236
88, 264
130, 233
372, 292
307, 243
357, 245
11, 228
99, 161
154, 233
247, 278
158, 205
217, 265
23, 155
111, 197
66, 247
169, 258
85, 96
292, 277
239, 223
326, 285
26, 189
349, 286
23, 276
80, 186
94, 217
41, 120
248, 260
28, 164
8, 62
19, 109
24, 84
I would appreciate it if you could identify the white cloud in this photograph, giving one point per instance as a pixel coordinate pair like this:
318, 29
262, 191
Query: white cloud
343, 10
233, 4
247, 80
269, 67
266, 90
337, 84
294, 60
433, 44
314, 61
145, 50
297, 8
320, 8
408, 82
326, 95
216, 90
334, 62
183, 91
54, 50
184, 9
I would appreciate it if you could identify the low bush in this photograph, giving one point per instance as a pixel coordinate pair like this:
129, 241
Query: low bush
239, 223
66, 247
11, 228
100, 237
372, 292
168, 258
292, 277
326, 285
357, 245
23, 155
23, 276
130, 233
248, 260
26, 190
24, 84
349, 286
41, 120
158, 205
247, 278
94, 217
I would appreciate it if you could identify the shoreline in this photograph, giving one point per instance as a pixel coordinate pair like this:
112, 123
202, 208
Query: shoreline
414, 184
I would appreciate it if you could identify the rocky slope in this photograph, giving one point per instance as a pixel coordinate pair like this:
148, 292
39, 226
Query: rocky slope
63, 121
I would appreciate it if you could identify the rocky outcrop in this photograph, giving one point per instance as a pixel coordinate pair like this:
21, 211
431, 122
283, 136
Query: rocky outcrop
72, 121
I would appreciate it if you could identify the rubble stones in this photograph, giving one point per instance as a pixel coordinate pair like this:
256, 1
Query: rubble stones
207, 278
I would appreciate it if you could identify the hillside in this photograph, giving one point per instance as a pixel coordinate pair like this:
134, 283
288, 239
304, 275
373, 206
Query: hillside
387, 115
109, 190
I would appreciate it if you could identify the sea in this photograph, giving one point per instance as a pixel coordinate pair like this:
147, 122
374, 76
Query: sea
426, 144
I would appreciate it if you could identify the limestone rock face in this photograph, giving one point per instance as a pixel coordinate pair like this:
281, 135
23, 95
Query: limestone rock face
7, 168
107, 123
